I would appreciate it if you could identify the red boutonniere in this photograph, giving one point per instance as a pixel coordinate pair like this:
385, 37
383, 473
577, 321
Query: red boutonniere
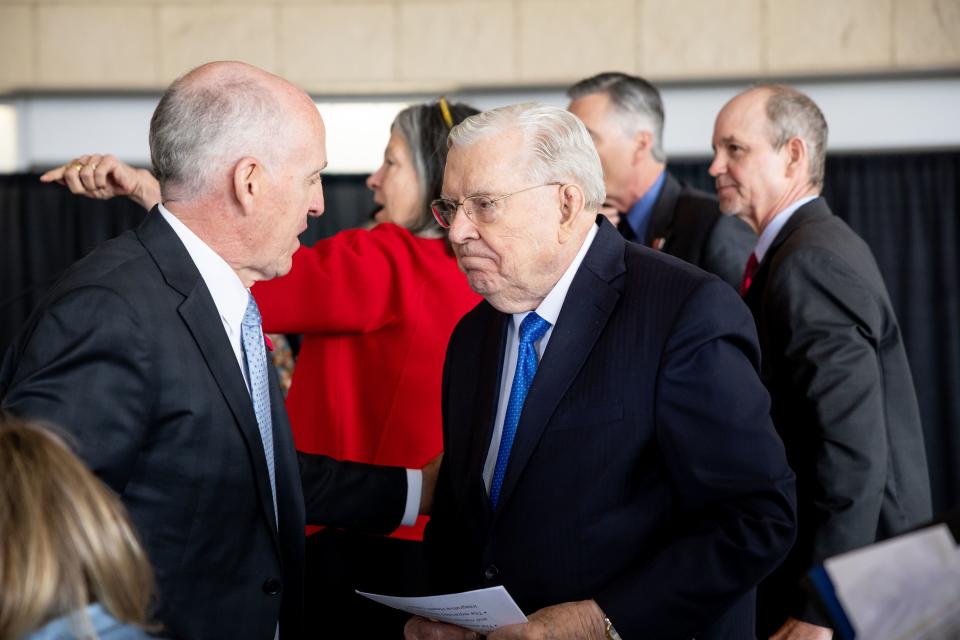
269, 342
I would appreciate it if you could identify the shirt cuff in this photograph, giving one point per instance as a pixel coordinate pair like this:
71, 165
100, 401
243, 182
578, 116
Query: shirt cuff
414, 489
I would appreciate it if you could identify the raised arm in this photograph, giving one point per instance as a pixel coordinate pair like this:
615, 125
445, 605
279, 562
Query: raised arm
103, 177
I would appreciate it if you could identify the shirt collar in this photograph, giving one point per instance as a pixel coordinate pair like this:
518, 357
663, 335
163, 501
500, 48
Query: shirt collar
775, 225
639, 215
550, 306
226, 288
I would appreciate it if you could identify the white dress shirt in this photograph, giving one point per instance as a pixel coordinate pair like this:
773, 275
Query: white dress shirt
549, 310
225, 287
231, 299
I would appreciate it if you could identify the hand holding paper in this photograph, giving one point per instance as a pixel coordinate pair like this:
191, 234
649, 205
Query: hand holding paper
568, 621
483, 610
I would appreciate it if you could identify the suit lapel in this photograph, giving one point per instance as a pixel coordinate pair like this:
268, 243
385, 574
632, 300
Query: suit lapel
591, 299
813, 210
661, 218
201, 317
290, 504
488, 397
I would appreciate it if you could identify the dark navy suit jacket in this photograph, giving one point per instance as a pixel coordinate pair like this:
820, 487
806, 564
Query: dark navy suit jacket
127, 353
645, 472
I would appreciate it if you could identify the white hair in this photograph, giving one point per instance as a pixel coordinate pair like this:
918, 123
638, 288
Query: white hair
562, 150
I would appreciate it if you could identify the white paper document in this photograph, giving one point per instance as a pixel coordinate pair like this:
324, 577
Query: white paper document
482, 610
906, 587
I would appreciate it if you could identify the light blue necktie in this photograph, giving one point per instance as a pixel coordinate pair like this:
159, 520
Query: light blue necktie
531, 330
256, 357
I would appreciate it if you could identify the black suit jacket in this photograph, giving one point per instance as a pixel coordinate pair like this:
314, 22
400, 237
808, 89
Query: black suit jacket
843, 399
128, 354
645, 472
687, 223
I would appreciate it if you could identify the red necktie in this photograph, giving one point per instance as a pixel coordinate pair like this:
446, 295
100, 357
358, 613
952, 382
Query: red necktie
748, 272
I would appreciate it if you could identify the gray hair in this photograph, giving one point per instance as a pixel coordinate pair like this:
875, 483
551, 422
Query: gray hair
425, 131
636, 102
792, 114
198, 130
562, 150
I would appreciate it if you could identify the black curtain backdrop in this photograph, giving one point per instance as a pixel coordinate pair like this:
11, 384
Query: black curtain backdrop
906, 207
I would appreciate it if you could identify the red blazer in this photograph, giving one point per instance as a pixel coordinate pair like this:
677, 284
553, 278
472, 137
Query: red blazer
376, 309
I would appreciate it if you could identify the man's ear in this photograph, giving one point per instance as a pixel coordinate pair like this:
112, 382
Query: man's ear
643, 142
247, 182
797, 157
572, 203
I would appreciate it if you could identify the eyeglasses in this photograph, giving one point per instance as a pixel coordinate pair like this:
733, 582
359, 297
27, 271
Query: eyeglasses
480, 209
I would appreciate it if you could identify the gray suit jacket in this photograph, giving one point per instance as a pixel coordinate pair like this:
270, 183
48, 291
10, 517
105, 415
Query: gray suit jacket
687, 223
843, 400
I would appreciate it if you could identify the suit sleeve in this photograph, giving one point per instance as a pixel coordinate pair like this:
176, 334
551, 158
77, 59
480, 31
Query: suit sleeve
85, 368
832, 331
735, 492
445, 571
447, 544
356, 281
352, 495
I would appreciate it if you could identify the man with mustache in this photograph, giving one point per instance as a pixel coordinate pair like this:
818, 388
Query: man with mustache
833, 357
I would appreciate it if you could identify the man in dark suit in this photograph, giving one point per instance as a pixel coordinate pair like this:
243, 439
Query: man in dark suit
609, 456
624, 115
833, 357
149, 353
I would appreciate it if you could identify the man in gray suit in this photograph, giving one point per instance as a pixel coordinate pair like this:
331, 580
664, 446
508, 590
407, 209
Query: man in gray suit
833, 357
624, 115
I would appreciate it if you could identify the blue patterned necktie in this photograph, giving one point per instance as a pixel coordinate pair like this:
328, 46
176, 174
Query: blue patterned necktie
532, 329
256, 357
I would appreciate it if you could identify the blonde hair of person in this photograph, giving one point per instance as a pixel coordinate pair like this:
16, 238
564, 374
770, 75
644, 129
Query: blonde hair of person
65, 540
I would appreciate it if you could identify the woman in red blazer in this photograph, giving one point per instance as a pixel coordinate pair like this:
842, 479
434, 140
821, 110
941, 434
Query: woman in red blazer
376, 308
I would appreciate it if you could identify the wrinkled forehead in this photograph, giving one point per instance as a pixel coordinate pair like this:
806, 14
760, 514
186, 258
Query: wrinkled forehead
489, 164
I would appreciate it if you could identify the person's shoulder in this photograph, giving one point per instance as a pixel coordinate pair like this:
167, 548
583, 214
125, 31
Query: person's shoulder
78, 625
698, 198
394, 232
695, 200
645, 263
658, 285
385, 237
109, 628
695, 208
475, 322
824, 237
116, 259
823, 256
121, 266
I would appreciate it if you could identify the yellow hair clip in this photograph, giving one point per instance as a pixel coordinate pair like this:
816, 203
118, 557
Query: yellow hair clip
445, 112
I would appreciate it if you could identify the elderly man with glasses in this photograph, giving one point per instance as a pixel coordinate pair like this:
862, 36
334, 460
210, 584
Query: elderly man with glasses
609, 456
